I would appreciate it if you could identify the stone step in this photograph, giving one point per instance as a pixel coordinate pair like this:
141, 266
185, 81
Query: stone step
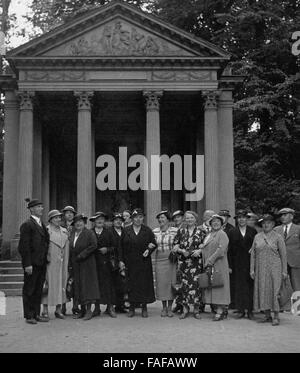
12, 292
10, 263
11, 285
11, 271
11, 278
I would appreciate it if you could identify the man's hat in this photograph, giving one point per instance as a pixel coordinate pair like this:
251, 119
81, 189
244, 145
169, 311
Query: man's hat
137, 211
79, 217
241, 213
225, 213
117, 215
69, 208
33, 202
53, 213
98, 214
176, 213
286, 210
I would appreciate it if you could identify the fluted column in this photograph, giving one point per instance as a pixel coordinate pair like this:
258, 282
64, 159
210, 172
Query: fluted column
25, 166
85, 154
153, 197
10, 171
211, 151
226, 158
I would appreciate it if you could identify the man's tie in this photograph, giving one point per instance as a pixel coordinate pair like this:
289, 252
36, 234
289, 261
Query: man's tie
285, 232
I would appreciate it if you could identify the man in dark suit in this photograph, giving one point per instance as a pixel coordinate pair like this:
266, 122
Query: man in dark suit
291, 234
33, 248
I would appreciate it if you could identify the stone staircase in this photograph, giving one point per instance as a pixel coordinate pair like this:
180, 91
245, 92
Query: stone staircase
11, 278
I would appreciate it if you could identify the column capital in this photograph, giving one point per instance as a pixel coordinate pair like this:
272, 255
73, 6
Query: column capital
152, 99
211, 99
225, 99
84, 99
26, 100
11, 100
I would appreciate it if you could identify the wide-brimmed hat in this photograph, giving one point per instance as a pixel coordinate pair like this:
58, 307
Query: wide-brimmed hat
137, 211
217, 216
117, 215
286, 210
33, 202
241, 212
177, 213
69, 208
99, 214
79, 217
225, 213
266, 217
53, 213
251, 215
163, 212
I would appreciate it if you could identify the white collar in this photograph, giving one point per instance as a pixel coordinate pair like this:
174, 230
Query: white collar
38, 220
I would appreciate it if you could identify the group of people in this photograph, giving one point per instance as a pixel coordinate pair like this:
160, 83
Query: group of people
111, 264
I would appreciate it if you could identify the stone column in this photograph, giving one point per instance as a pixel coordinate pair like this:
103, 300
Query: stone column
226, 158
10, 169
85, 169
25, 166
46, 178
211, 151
153, 197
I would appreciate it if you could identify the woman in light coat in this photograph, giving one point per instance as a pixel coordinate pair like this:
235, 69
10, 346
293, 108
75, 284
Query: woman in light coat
57, 268
214, 251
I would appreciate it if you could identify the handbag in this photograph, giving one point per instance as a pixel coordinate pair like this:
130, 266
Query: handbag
210, 279
45, 288
285, 292
173, 257
70, 288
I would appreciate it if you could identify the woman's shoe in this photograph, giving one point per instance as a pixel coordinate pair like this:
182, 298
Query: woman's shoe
184, 315
111, 312
170, 313
59, 315
275, 322
144, 313
250, 315
265, 320
197, 315
131, 313
164, 313
45, 315
88, 315
96, 312
218, 317
240, 315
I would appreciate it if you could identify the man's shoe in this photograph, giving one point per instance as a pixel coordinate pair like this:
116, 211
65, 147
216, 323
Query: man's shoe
88, 315
31, 321
42, 319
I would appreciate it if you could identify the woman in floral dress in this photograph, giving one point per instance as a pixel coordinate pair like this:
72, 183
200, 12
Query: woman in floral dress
187, 246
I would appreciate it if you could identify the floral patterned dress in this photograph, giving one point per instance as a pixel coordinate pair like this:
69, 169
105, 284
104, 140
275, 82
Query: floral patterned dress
189, 268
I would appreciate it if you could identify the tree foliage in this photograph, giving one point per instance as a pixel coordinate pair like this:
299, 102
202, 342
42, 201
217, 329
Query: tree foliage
266, 121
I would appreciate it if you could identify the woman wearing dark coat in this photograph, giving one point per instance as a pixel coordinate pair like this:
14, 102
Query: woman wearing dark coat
104, 255
240, 242
83, 245
136, 246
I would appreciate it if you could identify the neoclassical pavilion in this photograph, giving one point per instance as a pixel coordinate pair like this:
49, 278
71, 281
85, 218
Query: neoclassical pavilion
113, 77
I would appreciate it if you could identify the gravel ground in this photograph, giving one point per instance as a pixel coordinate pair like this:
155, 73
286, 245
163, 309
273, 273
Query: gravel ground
152, 335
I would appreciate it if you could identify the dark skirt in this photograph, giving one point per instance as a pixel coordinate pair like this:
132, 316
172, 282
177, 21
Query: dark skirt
105, 280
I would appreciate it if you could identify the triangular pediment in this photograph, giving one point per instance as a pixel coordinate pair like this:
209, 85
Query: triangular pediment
117, 30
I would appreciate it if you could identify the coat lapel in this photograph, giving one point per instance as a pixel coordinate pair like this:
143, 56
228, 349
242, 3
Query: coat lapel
292, 231
42, 229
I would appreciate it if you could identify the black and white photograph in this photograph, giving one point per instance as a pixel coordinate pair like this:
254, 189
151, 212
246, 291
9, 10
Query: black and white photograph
149, 179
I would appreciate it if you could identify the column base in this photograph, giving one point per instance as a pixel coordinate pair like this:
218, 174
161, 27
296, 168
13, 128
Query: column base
14, 253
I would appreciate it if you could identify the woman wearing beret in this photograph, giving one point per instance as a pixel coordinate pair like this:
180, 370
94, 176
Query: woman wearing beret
268, 268
83, 245
187, 245
57, 268
165, 270
67, 218
104, 255
215, 248
136, 246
